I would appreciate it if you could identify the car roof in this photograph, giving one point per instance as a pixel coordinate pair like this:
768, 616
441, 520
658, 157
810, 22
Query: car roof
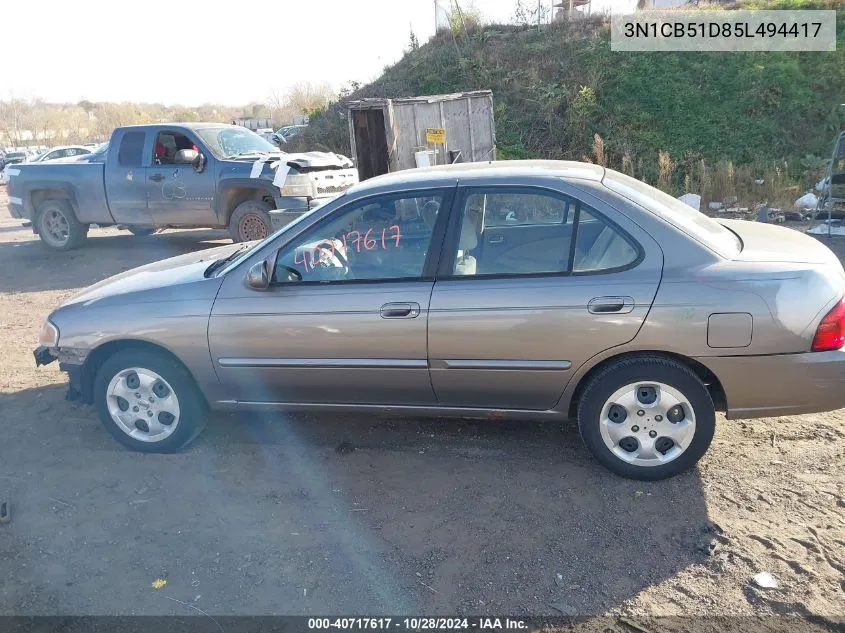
467, 172
187, 125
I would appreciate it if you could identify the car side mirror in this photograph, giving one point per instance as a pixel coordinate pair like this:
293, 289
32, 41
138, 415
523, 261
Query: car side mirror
199, 163
185, 156
258, 276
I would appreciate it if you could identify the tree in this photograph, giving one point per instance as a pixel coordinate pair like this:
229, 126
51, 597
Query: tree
301, 98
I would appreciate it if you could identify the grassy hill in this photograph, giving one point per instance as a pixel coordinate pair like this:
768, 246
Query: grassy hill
704, 121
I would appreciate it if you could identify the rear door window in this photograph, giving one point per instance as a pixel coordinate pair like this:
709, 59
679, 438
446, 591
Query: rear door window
599, 246
525, 231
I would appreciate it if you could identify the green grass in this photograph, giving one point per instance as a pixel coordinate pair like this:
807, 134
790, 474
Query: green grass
556, 89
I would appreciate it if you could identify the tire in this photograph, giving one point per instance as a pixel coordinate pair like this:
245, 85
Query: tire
187, 406
610, 434
141, 231
247, 220
58, 227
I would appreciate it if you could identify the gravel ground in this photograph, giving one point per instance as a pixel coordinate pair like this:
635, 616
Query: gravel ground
361, 515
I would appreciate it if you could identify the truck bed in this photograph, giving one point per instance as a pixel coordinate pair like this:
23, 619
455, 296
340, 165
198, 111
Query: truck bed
83, 183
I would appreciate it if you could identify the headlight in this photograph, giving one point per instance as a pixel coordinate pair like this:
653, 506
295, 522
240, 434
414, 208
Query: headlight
49, 336
299, 186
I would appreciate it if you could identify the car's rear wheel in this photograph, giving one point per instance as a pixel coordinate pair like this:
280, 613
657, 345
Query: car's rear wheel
58, 227
646, 417
250, 221
148, 401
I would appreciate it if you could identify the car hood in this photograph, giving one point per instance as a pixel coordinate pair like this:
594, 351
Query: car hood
302, 160
763, 242
157, 275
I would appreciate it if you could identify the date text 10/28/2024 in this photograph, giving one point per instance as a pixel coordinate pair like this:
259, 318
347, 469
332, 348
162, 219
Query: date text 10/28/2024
418, 624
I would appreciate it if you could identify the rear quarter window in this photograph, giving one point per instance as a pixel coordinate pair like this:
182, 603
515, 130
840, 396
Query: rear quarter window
131, 149
698, 226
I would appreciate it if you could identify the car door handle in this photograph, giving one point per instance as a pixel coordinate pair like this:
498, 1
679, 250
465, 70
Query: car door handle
400, 310
496, 239
156, 177
605, 305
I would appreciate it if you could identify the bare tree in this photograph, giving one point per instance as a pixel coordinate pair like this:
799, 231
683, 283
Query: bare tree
26, 122
301, 98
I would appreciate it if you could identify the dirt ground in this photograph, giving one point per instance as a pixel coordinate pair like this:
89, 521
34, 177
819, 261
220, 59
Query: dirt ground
358, 515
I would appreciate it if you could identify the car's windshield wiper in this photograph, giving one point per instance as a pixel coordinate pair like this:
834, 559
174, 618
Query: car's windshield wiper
224, 260
253, 153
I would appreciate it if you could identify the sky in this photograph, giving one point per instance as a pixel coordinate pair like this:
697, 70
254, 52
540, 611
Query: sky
211, 51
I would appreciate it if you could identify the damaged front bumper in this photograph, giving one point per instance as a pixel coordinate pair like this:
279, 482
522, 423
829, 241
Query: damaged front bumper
43, 355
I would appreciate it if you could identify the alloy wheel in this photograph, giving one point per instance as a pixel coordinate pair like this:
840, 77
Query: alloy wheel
55, 226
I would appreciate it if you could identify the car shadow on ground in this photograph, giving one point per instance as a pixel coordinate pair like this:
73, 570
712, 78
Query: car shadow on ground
312, 514
36, 268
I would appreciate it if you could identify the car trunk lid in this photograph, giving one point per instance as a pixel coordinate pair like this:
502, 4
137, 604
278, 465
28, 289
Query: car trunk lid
769, 243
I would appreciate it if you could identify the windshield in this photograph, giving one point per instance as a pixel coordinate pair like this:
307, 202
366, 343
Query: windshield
680, 215
225, 142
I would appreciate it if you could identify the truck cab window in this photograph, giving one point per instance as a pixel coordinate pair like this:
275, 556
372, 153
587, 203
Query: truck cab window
131, 149
167, 144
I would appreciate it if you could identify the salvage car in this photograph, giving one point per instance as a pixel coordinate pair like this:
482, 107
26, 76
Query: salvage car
284, 134
11, 158
513, 290
175, 175
64, 151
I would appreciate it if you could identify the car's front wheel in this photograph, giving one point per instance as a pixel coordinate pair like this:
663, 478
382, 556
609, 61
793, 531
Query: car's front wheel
646, 417
148, 401
250, 221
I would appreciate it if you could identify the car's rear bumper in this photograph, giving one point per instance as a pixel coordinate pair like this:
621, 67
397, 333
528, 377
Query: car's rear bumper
15, 204
783, 384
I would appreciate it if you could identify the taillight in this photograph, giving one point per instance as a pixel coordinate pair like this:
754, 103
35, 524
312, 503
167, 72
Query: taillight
831, 331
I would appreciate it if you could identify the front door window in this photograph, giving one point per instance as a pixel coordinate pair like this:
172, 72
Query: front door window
381, 238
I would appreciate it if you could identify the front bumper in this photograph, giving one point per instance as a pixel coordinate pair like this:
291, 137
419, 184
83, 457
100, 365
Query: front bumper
783, 384
43, 356
74, 385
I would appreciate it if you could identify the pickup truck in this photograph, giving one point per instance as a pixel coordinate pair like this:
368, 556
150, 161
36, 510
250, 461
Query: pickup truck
185, 175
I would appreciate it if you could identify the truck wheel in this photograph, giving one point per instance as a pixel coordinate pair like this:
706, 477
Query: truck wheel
58, 227
250, 221
141, 231
148, 401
